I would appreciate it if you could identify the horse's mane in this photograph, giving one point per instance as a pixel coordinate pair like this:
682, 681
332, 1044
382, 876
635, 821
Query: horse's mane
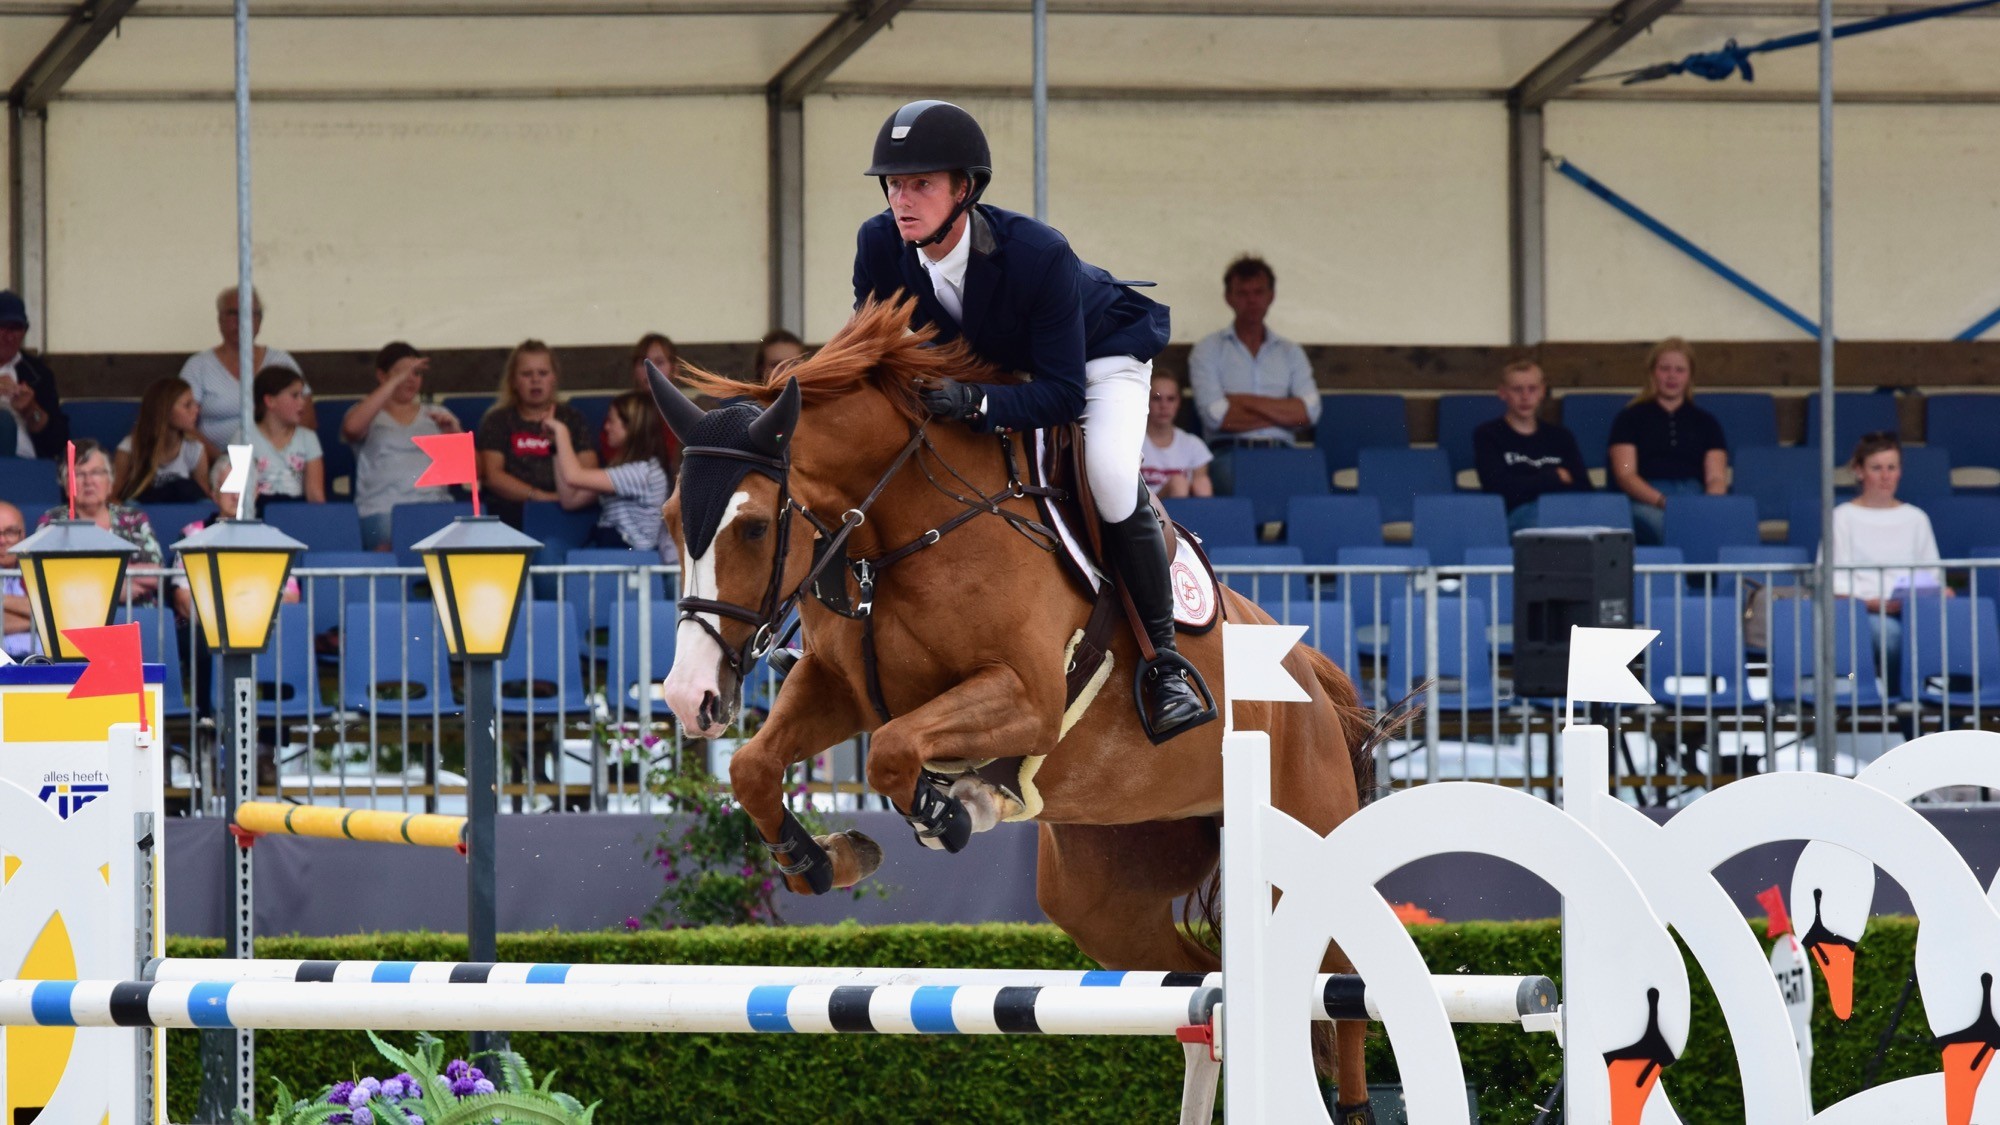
877, 345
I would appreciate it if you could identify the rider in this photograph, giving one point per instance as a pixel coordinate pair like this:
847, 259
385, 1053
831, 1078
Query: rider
1021, 299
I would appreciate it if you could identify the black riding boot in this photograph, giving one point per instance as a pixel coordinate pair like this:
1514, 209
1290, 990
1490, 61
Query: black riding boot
1172, 698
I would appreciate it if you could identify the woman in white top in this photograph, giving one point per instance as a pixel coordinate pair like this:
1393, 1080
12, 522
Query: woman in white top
635, 485
1886, 540
286, 451
1172, 462
216, 374
380, 427
163, 460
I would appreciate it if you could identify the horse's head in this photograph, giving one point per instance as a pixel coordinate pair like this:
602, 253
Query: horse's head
731, 521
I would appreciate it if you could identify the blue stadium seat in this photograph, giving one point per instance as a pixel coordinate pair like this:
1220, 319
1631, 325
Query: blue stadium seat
1464, 663
1319, 526
1584, 509
287, 672
327, 596
159, 645
593, 405
1948, 643
321, 527
599, 597
170, 520
1773, 474
1696, 662
1446, 525
1792, 652
1644, 586
1804, 520
1327, 628
107, 421
1368, 595
1588, 415
337, 457
542, 673
1349, 424
1220, 521
1926, 475
1273, 589
1961, 523
1854, 413
1965, 425
409, 523
1761, 554
627, 639
1269, 478
1497, 590
1396, 477
1457, 417
468, 409
1748, 417
395, 666
1699, 525
29, 485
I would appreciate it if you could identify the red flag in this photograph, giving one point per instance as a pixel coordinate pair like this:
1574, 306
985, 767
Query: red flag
1773, 902
453, 461
115, 668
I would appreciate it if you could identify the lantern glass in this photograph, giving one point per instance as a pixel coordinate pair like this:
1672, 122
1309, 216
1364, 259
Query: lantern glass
77, 591
249, 585
477, 595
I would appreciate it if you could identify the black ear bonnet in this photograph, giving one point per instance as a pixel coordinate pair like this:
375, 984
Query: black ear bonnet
707, 483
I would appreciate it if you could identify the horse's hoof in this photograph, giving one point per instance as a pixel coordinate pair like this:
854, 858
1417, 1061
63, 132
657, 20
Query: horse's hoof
855, 856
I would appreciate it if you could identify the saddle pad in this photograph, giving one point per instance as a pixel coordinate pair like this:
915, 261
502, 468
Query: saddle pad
1196, 604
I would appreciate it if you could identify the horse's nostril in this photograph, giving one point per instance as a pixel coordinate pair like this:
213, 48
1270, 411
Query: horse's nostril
709, 707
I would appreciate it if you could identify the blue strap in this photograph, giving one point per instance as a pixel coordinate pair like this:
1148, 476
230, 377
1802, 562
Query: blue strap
1674, 239
1979, 329
1718, 65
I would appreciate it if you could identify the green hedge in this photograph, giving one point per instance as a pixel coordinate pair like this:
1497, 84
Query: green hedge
653, 1079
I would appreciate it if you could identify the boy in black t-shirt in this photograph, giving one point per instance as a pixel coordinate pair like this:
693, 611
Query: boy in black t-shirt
1519, 456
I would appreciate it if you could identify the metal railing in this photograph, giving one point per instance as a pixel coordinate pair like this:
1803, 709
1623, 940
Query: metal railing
359, 706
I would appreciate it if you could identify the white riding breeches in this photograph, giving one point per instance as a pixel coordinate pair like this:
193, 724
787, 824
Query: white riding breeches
1114, 423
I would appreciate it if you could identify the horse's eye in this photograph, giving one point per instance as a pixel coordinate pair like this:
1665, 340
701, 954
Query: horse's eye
755, 529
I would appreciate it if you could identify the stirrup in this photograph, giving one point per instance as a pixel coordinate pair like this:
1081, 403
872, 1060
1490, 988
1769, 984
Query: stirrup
1363, 1114
1168, 662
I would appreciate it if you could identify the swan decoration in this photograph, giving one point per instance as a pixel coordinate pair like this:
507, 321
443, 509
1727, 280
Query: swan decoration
1636, 1018
1832, 893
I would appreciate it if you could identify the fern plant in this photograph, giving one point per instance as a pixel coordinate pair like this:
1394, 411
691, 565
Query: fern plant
429, 1091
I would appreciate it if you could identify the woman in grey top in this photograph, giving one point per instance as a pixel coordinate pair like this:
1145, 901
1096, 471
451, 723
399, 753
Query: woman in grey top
379, 427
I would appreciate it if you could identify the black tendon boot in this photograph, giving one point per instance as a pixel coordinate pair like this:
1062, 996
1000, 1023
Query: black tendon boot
1172, 698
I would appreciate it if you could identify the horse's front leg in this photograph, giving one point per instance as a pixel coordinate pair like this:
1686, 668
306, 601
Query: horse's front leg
813, 711
991, 714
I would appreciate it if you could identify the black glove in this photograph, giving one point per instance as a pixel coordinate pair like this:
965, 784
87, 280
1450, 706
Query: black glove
951, 399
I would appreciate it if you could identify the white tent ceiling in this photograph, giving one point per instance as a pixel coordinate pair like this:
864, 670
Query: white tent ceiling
173, 49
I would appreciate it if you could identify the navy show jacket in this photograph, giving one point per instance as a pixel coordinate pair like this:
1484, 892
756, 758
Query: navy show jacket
1030, 305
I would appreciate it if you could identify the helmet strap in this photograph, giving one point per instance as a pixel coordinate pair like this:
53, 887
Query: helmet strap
944, 230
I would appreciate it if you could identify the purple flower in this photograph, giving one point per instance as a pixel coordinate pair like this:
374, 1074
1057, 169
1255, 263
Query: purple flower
393, 1089
631, 923
457, 1069
359, 1098
340, 1093
362, 1116
414, 1118
484, 1087
371, 1085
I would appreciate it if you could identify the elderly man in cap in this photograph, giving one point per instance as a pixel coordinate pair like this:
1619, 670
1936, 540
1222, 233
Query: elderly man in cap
28, 388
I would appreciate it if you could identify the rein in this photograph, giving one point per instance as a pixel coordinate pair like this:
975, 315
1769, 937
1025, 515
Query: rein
775, 606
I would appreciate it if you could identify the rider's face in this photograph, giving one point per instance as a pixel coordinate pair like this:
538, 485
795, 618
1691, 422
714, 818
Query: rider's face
921, 202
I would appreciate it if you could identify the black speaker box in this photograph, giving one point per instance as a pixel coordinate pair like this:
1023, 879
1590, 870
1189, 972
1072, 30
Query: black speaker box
1562, 577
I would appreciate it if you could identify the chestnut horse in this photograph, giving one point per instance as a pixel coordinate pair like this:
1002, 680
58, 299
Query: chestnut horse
970, 633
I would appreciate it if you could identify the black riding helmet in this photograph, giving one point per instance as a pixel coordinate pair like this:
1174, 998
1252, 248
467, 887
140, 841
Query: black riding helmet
933, 136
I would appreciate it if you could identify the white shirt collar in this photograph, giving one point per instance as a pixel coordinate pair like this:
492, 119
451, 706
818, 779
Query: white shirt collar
950, 269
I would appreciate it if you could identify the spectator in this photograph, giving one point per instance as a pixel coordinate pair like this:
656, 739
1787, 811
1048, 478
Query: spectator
1664, 445
635, 487
226, 504
387, 462
1172, 462
778, 346
1882, 537
216, 374
17, 625
1519, 456
1251, 385
94, 503
28, 388
286, 456
163, 459
656, 347
516, 454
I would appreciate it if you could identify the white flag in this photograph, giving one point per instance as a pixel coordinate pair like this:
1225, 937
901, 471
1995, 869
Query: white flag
1597, 665
1253, 662
239, 469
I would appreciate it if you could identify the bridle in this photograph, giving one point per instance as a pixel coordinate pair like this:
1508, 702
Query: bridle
776, 605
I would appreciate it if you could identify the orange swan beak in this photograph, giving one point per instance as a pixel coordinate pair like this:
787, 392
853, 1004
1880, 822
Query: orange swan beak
1836, 964
1964, 1065
1632, 1082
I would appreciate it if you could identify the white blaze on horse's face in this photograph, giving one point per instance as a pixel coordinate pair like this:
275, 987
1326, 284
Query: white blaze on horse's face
694, 687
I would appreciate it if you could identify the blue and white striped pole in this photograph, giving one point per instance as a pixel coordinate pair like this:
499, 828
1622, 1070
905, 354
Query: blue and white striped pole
1467, 998
693, 1008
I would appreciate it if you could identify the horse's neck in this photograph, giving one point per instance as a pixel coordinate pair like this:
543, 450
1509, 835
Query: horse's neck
841, 455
